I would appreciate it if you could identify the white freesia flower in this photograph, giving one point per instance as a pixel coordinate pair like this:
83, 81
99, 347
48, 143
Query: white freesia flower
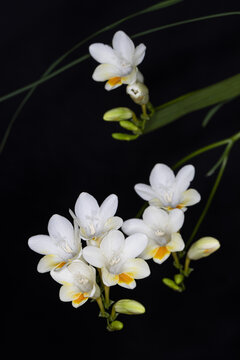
117, 258
167, 190
161, 228
79, 282
61, 246
96, 221
118, 63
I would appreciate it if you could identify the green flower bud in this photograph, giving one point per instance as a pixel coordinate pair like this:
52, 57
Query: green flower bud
178, 278
128, 125
127, 137
129, 307
118, 114
203, 247
115, 326
170, 283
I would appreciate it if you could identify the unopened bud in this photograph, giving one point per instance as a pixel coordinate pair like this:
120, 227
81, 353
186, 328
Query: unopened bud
170, 283
203, 247
115, 326
128, 125
178, 278
127, 137
138, 92
129, 307
118, 114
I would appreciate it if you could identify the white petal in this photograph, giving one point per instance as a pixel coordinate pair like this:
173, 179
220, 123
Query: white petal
86, 208
190, 197
62, 276
130, 77
47, 263
139, 54
67, 292
138, 267
123, 45
176, 243
184, 176
61, 228
133, 226
103, 54
108, 278
155, 218
161, 254
144, 191
105, 72
134, 245
79, 267
44, 244
108, 207
140, 77
94, 256
112, 243
175, 220
160, 175
113, 223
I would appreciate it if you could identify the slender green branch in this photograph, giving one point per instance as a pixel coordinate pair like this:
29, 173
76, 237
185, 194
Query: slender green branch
200, 151
209, 201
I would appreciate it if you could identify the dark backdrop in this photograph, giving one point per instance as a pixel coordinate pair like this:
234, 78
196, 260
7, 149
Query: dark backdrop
60, 146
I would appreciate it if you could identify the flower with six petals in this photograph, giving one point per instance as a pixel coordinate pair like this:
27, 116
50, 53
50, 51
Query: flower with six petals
60, 247
161, 228
118, 260
79, 282
167, 190
118, 64
96, 221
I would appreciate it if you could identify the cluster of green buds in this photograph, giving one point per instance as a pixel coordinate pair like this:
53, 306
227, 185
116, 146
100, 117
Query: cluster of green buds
128, 120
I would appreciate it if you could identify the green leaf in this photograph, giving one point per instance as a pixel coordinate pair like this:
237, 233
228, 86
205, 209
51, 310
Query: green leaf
193, 101
162, 4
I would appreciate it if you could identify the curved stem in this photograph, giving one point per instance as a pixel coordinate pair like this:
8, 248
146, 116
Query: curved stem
209, 201
200, 151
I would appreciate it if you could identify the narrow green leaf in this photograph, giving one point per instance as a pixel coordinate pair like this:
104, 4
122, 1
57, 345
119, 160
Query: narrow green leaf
199, 99
161, 5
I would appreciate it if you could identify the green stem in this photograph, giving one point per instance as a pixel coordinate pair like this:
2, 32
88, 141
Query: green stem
176, 260
209, 201
200, 151
100, 304
186, 265
107, 299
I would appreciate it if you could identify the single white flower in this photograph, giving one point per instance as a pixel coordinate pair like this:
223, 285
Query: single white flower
79, 282
61, 246
203, 247
167, 190
96, 221
118, 63
117, 258
161, 229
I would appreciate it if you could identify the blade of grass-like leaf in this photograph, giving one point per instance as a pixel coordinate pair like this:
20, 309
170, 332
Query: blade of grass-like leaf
77, 61
213, 111
155, 7
199, 99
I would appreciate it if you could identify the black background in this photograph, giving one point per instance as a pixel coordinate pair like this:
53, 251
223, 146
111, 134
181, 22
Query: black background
60, 146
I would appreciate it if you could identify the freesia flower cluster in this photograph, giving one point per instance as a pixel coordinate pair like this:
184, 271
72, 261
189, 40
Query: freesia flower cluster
93, 254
